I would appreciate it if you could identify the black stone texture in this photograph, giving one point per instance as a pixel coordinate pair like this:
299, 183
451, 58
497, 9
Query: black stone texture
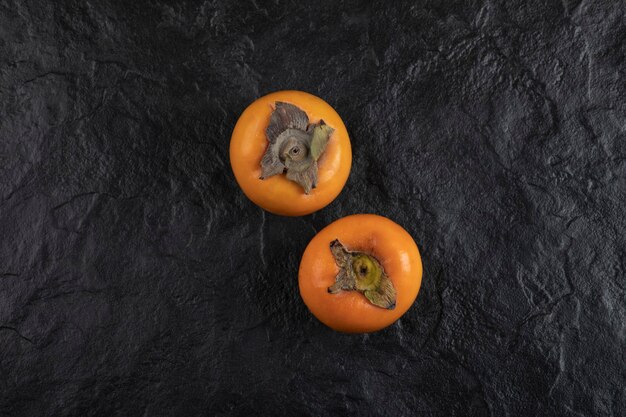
136, 279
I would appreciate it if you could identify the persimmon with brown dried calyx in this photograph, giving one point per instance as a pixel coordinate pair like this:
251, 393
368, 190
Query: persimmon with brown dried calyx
290, 153
360, 274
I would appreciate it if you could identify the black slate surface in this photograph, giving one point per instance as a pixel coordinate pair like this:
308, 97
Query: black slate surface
137, 280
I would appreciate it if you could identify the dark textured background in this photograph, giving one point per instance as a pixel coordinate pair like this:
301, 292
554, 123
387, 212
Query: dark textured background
137, 280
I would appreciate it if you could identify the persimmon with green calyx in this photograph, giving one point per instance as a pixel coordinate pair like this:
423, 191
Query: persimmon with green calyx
290, 153
360, 274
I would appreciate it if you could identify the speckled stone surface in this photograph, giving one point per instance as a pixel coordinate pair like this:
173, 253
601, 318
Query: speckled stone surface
137, 280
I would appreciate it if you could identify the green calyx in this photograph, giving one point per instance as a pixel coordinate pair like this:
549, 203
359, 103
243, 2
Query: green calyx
295, 146
362, 272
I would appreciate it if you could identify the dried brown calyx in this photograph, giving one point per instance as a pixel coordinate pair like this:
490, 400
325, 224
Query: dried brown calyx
295, 145
362, 272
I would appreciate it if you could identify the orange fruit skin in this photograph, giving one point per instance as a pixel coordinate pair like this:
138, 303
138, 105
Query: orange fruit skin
350, 311
277, 194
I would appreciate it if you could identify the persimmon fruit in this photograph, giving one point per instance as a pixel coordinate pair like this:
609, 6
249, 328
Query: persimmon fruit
360, 274
290, 153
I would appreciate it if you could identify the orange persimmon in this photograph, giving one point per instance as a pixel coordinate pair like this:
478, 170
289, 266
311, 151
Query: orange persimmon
360, 273
290, 153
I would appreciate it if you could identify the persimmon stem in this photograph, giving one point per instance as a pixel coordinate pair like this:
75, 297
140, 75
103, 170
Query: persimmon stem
361, 272
294, 146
